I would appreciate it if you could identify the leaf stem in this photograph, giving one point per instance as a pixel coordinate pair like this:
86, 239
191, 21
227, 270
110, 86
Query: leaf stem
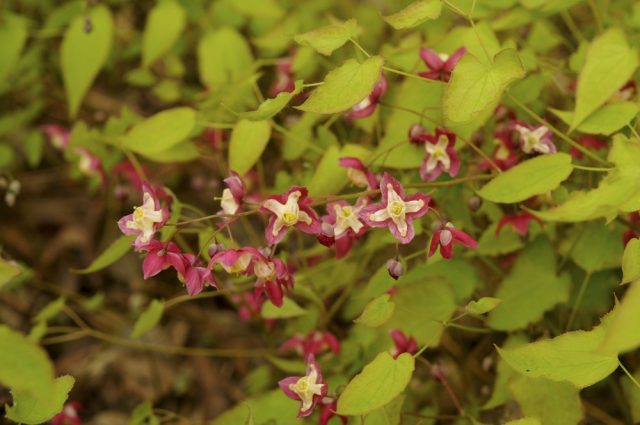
598, 169
355, 43
576, 305
635, 382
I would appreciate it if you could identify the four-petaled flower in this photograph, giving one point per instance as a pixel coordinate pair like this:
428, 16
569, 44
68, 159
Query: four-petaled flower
535, 139
160, 256
347, 226
232, 195
402, 343
367, 106
234, 261
290, 210
146, 219
446, 236
440, 153
308, 389
519, 222
316, 342
397, 210
358, 173
440, 65
273, 278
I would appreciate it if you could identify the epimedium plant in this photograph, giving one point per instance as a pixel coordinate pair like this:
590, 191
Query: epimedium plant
412, 198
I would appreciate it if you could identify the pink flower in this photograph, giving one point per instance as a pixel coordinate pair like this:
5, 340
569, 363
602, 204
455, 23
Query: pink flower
535, 139
395, 268
328, 408
440, 153
58, 135
358, 173
273, 278
308, 389
396, 211
195, 277
402, 343
234, 261
69, 415
589, 141
90, 165
316, 342
504, 155
446, 237
232, 195
367, 106
346, 224
146, 219
126, 169
160, 256
519, 222
248, 305
440, 65
291, 209
284, 81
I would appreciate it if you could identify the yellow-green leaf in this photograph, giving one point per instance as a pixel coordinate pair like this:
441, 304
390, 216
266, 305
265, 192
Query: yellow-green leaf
271, 107
160, 131
35, 409
13, 35
165, 22
415, 14
606, 120
148, 319
113, 253
631, 261
328, 38
483, 305
289, 309
248, 141
377, 312
622, 333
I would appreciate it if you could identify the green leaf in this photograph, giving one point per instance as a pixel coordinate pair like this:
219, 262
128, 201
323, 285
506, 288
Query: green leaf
8, 271
143, 415
51, 310
248, 141
553, 403
289, 309
622, 333
483, 305
35, 409
161, 131
541, 174
266, 408
113, 253
504, 373
270, 107
181, 152
569, 357
415, 14
344, 86
631, 261
493, 244
13, 36
609, 64
524, 421
165, 22
33, 148
223, 57
391, 414
328, 38
148, 319
476, 88
378, 384
329, 176
82, 54
533, 276
606, 120
598, 247
377, 312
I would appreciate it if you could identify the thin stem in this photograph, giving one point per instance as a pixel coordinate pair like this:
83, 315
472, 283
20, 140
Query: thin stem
576, 305
288, 133
355, 43
571, 24
635, 382
596, 14
406, 74
598, 169
468, 328
557, 132
136, 164
313, 84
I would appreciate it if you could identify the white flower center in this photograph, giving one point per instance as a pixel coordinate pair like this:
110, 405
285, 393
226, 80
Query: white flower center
228, 202
145, 217
287, 214
438, 154
306, 388
357, 177
532, 139
396, 210
347, 218
266, 271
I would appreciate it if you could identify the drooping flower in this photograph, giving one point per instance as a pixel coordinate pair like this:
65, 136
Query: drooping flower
535, 139
395, 268
291, 209
397, 210
90, 165
196, 276
58, 135
69, 415
160, 256
440, 154
446, 237
249, 305
402, 343
308, 389
519, 222
367, 106
328, 409
589, 141
284, 81
316, 342
346, 224
440, 64
504, 155
273, 276
234, 261
146, 219
358, 173
233, 194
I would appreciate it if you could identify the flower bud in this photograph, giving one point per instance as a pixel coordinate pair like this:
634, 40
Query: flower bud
214, 248
395, 268
474, 203
326, 236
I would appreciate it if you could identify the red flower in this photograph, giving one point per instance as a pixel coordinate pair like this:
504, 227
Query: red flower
589, 141
402, 343
291, 209
440, 65
519, 222
440, 152
446, 237
234, 260
358, 173
69, 415
367, 106
273, 277
397, 210
328, 408
58, 135
316, 342
233, 194
146, 219
284, 81
346, 224
308, 389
